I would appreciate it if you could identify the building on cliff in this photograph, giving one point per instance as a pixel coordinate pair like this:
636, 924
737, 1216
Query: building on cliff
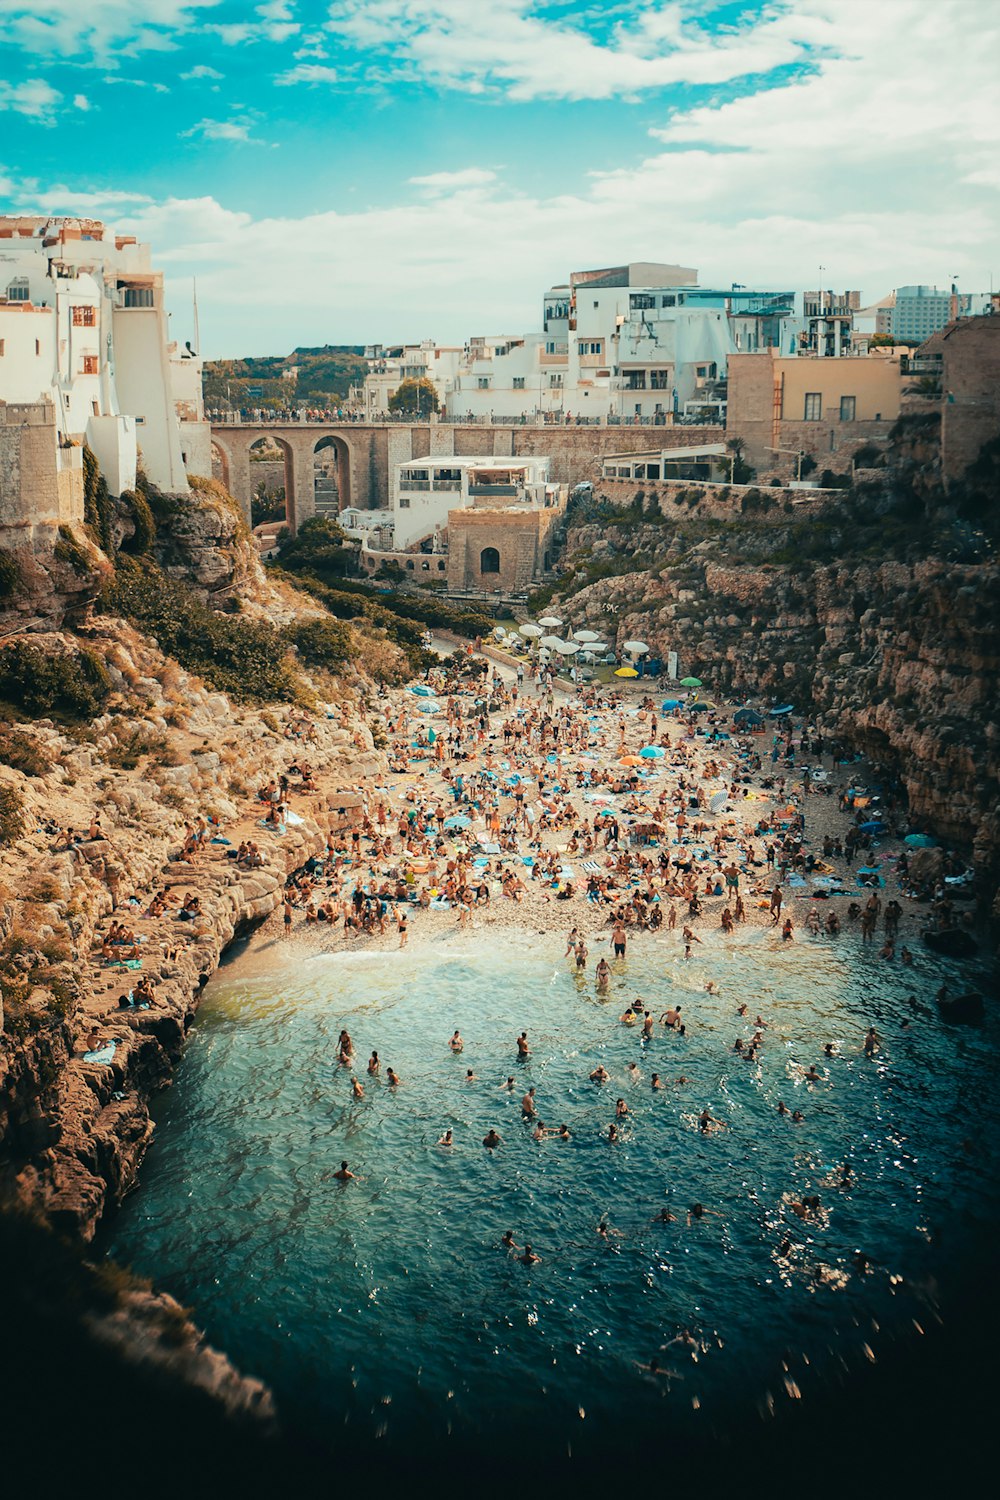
814, 405
963, 361
83, 328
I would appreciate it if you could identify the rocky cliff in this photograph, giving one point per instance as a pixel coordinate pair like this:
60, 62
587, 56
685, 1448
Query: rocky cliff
875, 613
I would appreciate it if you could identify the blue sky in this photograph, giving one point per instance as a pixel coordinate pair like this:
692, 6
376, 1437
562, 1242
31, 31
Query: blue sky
396, 169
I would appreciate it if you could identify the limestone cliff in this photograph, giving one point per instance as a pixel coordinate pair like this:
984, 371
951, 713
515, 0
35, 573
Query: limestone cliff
876, 613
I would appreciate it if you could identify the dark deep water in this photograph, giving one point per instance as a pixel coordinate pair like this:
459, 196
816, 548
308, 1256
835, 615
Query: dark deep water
392, 1325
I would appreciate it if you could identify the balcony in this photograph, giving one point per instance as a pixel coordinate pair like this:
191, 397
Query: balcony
477, 490
407, 485
447, 484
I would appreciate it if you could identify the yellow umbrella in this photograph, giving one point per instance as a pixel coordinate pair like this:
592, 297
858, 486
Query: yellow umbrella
626, 672
630, 760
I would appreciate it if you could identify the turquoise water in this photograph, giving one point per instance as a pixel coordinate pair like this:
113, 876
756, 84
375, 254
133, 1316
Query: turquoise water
386, 1306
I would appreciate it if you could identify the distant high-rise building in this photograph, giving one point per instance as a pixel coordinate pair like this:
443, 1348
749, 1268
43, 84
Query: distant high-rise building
920, 311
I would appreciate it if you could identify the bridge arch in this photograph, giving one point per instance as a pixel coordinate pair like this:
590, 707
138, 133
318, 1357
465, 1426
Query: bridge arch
288, 458
332, 490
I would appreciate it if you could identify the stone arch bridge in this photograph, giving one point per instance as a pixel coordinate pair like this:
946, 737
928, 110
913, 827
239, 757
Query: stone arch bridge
355, 460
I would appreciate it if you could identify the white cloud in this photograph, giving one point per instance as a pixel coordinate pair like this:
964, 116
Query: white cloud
307, 73
446, 182
103, 28
113, 80
235, 129
201, 70
512, 48
35, 99
80, 101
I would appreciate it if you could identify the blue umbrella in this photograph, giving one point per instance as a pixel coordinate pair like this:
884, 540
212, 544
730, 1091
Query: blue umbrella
920, 841
428, 708
459, 820
777, 712
873, 827
422, 690
747, 716
652, 752
669, 703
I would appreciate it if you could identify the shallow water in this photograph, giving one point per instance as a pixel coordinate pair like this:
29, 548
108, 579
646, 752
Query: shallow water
386, 1304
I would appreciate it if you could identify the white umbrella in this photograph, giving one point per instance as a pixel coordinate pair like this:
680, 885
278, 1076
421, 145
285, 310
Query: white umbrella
544, 655
636, 648
552, 641
585, 636
531, 632
552, 622
499, 630
568, 648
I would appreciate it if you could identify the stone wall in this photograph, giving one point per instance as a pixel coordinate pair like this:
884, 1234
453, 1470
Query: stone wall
41, 483
520, 538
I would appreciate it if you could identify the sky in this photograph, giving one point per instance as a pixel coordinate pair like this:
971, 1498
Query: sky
388, 170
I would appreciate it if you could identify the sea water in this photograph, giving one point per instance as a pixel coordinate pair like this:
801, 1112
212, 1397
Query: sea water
385, 1308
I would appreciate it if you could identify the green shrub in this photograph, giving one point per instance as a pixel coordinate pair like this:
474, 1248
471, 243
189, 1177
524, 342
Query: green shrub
98, 510
10, 575
68, 550
12, 816
143, 523
41, 685
320, 643
22, 753
244, 658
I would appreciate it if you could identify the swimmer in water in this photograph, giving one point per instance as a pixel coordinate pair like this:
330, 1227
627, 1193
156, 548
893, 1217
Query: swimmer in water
522, 1045
621, 1109
374, 1064
812, 1076
528, 1104
633, 1072
797, 1117
539, 1133
654, 1082
871, 1042
344, 1174
470, 1077
529, 1258
664, 1217
707, 1123
711, 987
491, 1140
393, 1077
782, 1107
509, 1085
600, 1074
507, 1240
356, 1088
564, 1134
612, 1132
456, 1044
603, 974
447, 1139
828, 1049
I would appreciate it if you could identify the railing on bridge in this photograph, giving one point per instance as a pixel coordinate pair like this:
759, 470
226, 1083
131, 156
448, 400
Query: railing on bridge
389, 419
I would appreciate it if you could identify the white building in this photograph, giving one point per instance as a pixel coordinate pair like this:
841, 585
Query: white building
390, 365
424, 490
82, 323
510, 376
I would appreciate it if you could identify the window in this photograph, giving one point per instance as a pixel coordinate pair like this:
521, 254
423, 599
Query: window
592, 346
641, 301
550, 347
848, 407
489, 560
2, 350
813, 407
659, 380
670, 301
635, 380
38, 346
483, 382
404, 502
95, 407
138, 296
84, 317
90, 364
18, 290
518, 382
555, 379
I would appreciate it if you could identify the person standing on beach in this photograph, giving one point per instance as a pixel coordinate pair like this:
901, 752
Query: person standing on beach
618, 939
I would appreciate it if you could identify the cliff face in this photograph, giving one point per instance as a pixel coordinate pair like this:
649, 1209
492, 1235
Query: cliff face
897, 655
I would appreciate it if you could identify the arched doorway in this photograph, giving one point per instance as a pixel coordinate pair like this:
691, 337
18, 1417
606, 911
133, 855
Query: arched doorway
221, 465
331, 475
489, 560
272, 481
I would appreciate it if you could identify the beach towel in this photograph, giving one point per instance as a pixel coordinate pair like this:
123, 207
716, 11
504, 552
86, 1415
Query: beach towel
124, 963
220, 841
103, 1054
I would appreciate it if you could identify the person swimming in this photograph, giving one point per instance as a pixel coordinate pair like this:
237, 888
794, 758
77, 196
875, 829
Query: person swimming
447, 1139
491, 1140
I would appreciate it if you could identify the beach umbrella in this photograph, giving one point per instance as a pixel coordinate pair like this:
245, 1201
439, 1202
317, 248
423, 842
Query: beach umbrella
669, 703
919, 841
630, 760
626, 672
875, 826
652, 752
785, 708
499, 630
690, 682
635, 648
717, 801
697, 708
586, 636
551, 622
568, 648
747, 716
552, 642
530, 632
422, 690
428, 707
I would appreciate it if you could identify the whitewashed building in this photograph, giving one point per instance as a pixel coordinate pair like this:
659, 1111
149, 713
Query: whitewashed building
83, 325
389, 365
424, 490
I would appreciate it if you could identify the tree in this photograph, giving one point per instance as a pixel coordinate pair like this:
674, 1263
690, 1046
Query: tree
742, 471
881, 341
416, 398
